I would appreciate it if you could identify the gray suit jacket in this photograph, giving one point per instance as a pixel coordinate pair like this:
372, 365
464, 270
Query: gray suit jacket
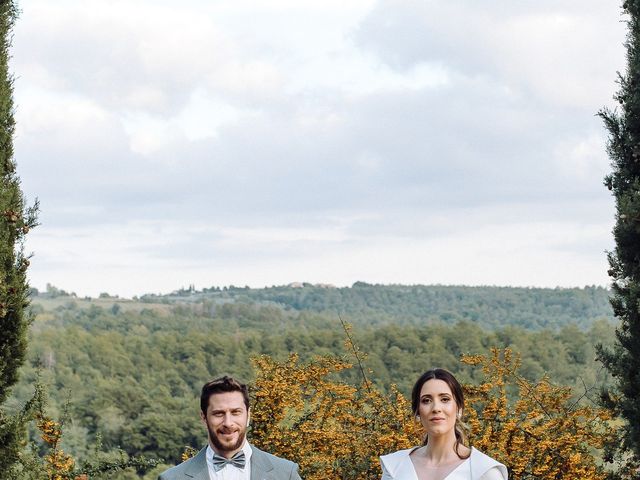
264, 466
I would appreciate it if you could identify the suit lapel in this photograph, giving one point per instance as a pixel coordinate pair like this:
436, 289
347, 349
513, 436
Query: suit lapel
198, 469
261, 466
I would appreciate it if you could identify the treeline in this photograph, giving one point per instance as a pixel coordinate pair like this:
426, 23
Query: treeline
131, 372
488, 307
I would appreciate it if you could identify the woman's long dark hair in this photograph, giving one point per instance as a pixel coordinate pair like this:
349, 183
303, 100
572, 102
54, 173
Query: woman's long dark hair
456, 390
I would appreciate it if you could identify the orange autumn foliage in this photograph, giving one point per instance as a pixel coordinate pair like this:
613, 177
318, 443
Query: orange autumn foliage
55, 464
333, 430
337, 431
544, 433
58, 464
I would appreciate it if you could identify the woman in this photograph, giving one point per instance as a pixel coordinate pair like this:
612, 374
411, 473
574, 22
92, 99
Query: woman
437, 402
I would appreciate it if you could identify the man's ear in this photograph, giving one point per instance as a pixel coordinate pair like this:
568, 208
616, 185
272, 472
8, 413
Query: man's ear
203, 418
248, 417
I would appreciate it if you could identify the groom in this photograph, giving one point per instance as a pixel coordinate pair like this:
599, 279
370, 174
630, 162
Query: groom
224, 405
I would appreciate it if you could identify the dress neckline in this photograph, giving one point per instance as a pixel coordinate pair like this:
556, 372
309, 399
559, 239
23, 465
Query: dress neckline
413, 467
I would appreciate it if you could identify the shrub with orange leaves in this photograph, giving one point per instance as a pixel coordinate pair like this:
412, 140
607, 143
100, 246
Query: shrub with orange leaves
544, 433
337, 431
55, 464
58, 464
333, 430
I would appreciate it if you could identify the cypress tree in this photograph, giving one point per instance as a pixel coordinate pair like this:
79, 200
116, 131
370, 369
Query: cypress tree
623, 125
15, 222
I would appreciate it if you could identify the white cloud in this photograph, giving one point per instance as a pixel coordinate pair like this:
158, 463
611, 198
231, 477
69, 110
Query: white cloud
260, 143
563, 54
581, 159
126, 260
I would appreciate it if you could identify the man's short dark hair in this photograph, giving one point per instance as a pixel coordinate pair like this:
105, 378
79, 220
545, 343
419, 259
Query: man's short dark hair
222, 385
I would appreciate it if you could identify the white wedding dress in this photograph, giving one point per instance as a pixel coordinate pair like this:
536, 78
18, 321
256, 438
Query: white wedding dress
398, 466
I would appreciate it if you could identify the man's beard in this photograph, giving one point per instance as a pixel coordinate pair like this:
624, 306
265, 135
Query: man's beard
223, 448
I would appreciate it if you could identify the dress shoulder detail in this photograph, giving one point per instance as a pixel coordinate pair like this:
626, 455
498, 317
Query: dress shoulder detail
482, 464
391, 461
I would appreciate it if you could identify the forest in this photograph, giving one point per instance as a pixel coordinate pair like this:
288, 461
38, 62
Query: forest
127, 373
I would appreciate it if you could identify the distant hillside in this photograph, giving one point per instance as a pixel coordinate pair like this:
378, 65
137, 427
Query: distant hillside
132, 369
488, 307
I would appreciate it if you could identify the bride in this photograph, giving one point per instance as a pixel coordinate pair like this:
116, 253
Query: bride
438, 402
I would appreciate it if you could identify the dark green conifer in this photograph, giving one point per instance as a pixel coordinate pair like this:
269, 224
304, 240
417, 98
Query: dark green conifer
623, 124
15, 222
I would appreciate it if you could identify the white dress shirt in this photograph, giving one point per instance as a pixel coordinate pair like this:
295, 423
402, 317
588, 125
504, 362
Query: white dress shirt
230, 472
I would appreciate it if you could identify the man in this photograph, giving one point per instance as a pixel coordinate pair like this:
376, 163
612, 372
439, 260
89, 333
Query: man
224, 410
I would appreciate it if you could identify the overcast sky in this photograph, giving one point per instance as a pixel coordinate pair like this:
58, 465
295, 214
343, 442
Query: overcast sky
265, 142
